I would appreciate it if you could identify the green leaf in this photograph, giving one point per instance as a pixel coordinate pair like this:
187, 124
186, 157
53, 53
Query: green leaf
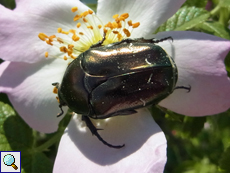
92, 6
186, 18
225, 160
215, 28
227, 63
16, 135
196, 3
192, 126
224, 3
8, 3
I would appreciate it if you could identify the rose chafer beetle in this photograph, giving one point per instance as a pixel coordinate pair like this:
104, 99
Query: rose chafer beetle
116, 79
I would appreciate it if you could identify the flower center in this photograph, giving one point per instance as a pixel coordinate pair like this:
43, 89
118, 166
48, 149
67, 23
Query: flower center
89, 30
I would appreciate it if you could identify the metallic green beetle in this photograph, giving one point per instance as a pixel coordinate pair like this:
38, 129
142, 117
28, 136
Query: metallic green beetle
116, 79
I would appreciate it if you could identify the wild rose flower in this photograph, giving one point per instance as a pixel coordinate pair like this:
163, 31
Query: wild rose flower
26, 76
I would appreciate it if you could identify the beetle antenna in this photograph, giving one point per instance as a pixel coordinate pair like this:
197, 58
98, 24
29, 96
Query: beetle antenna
94, 130
183, 87
56, 84
99, 44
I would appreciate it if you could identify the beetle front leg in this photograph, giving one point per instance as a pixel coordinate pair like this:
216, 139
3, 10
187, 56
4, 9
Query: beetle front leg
94, 130
183, 87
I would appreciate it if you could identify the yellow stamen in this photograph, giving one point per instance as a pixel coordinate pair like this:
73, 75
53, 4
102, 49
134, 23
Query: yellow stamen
60, 40
115, 25
130, 23
46, 54
42, 36
73, 57
77, 17
109, 25
126, 31
115, 32
105, 30
70, 46
63, 49
135, 25
55, 90
72, 31
58, 99
124, 16
84, 14
49, 42
119, 36
90, 11
115, 16
59, 30
75, 38
90, 27
65, 58
78, 25
52, 37
65, 32
85, 20
74, 9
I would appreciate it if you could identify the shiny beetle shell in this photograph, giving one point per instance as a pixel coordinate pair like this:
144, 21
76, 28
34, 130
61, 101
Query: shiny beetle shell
118, 78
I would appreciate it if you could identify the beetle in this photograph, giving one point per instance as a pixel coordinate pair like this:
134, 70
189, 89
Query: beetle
117, 79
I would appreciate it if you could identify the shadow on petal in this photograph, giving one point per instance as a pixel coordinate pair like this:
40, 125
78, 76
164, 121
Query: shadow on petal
145, 144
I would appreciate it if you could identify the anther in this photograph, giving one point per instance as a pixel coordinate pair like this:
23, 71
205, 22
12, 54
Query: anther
130, 23
115, 32
55, 90
115, 25
60, 40
59, 30
84, 14
126, 31
90, 11
65, 58
42, 36
77, 17
74, 9
46, 54
85, 20
90, 27
124, 16
65, 32
115, 16
78, 25
75, 38
135, 25
119, 36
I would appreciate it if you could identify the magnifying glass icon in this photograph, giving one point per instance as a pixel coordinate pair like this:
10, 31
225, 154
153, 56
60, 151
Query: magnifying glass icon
9, 160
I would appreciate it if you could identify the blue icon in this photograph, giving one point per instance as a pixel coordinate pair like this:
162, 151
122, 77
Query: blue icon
9, 160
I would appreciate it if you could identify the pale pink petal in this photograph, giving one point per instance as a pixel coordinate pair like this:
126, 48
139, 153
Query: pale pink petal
144, 151
200, 61
150, 13
19, 28
31, 93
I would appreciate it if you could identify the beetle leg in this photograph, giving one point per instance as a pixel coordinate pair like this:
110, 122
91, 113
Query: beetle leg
94, 130
163, 39
62, 112
142, 40
183, 87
